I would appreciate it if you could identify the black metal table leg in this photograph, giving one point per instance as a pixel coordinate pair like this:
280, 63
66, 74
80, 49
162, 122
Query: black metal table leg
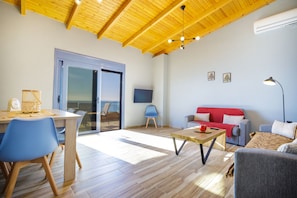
180, 148
208, 152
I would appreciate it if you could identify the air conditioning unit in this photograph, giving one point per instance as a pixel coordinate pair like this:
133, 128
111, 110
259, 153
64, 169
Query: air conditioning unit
276, 21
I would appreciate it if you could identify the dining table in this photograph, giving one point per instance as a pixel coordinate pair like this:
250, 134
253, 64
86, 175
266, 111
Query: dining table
62, 119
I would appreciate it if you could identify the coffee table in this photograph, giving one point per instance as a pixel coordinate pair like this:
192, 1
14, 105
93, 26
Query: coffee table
195, 135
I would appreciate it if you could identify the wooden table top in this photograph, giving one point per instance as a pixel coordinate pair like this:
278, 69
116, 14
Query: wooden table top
6, 116
194, 134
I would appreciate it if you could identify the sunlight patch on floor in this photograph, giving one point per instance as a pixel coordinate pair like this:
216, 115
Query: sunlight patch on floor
142, 138
111, 143
228, 156
216, 179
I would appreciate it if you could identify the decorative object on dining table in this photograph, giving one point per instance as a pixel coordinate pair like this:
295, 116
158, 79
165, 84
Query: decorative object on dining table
31, 101
13, 105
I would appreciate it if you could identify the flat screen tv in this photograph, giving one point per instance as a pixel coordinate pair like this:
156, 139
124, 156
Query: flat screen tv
143, 95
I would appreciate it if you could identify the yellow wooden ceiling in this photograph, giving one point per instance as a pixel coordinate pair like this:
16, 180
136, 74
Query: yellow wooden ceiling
144, 24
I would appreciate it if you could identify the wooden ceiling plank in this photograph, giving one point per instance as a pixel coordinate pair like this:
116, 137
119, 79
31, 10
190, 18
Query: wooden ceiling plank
157, 19
23, 7
72, 16
115, 17
159, 53
163, 22
206, 13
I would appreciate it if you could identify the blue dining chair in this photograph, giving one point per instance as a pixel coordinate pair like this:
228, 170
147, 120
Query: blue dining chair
28, 141
61, 138
151, 113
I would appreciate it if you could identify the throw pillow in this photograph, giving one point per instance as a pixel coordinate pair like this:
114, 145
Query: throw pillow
288, 148
202, 117
232, 119
284, 129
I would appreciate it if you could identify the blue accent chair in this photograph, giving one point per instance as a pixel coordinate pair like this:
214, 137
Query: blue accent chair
61, 138
28, 141
151, 113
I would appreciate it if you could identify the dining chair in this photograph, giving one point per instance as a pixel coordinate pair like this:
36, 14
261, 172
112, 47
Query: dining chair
61, 138
28, 141
151, 113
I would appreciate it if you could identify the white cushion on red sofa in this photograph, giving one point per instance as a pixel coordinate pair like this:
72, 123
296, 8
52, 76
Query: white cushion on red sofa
232, 119
202, 117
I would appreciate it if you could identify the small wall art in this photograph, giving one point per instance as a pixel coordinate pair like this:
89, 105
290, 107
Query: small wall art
227, 77
211, 75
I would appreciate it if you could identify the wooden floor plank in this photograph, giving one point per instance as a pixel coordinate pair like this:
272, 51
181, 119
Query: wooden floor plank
138, 162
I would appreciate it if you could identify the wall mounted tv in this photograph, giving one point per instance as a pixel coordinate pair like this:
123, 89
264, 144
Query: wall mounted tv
143, 95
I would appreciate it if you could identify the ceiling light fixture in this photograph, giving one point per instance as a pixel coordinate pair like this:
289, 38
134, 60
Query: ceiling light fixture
77, 2
182, 38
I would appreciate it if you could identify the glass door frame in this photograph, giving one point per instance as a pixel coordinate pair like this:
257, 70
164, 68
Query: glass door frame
59, 96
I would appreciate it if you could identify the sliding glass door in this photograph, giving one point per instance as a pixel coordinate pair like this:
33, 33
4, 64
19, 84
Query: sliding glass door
91, 85
79, 91
82, 95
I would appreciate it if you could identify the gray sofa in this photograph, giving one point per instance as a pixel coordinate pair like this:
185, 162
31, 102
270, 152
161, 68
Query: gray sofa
263, 172
240, 134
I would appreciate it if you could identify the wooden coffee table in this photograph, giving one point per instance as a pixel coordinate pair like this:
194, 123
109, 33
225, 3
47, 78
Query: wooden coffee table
208, 137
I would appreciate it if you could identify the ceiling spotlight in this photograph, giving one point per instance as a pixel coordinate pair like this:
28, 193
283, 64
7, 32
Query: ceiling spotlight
77, 2
182, 38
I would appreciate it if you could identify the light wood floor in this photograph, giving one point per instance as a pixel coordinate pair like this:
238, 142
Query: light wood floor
137, 162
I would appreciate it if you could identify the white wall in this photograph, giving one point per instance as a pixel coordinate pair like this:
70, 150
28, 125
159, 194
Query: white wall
27, 46
250, 58
160, 87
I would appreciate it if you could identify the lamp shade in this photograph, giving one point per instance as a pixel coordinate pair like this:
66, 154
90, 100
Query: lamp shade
269, 81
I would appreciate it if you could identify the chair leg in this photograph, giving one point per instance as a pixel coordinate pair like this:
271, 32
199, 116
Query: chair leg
51, 161
4, 169
49, 174
154, 119
13, 177
78, 160
147, 121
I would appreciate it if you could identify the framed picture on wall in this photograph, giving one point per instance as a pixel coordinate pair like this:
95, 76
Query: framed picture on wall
211, 75
227, 77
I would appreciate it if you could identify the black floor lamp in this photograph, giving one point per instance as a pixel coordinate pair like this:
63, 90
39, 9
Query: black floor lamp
272, 82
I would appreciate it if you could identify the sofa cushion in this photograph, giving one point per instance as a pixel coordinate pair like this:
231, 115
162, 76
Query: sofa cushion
202, 117
288, 148
232, 119
284, 129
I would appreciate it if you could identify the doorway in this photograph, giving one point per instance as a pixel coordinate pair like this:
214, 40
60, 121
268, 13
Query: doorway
89, 84
110, 100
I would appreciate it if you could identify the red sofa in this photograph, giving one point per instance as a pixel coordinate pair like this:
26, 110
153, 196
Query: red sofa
232, 119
